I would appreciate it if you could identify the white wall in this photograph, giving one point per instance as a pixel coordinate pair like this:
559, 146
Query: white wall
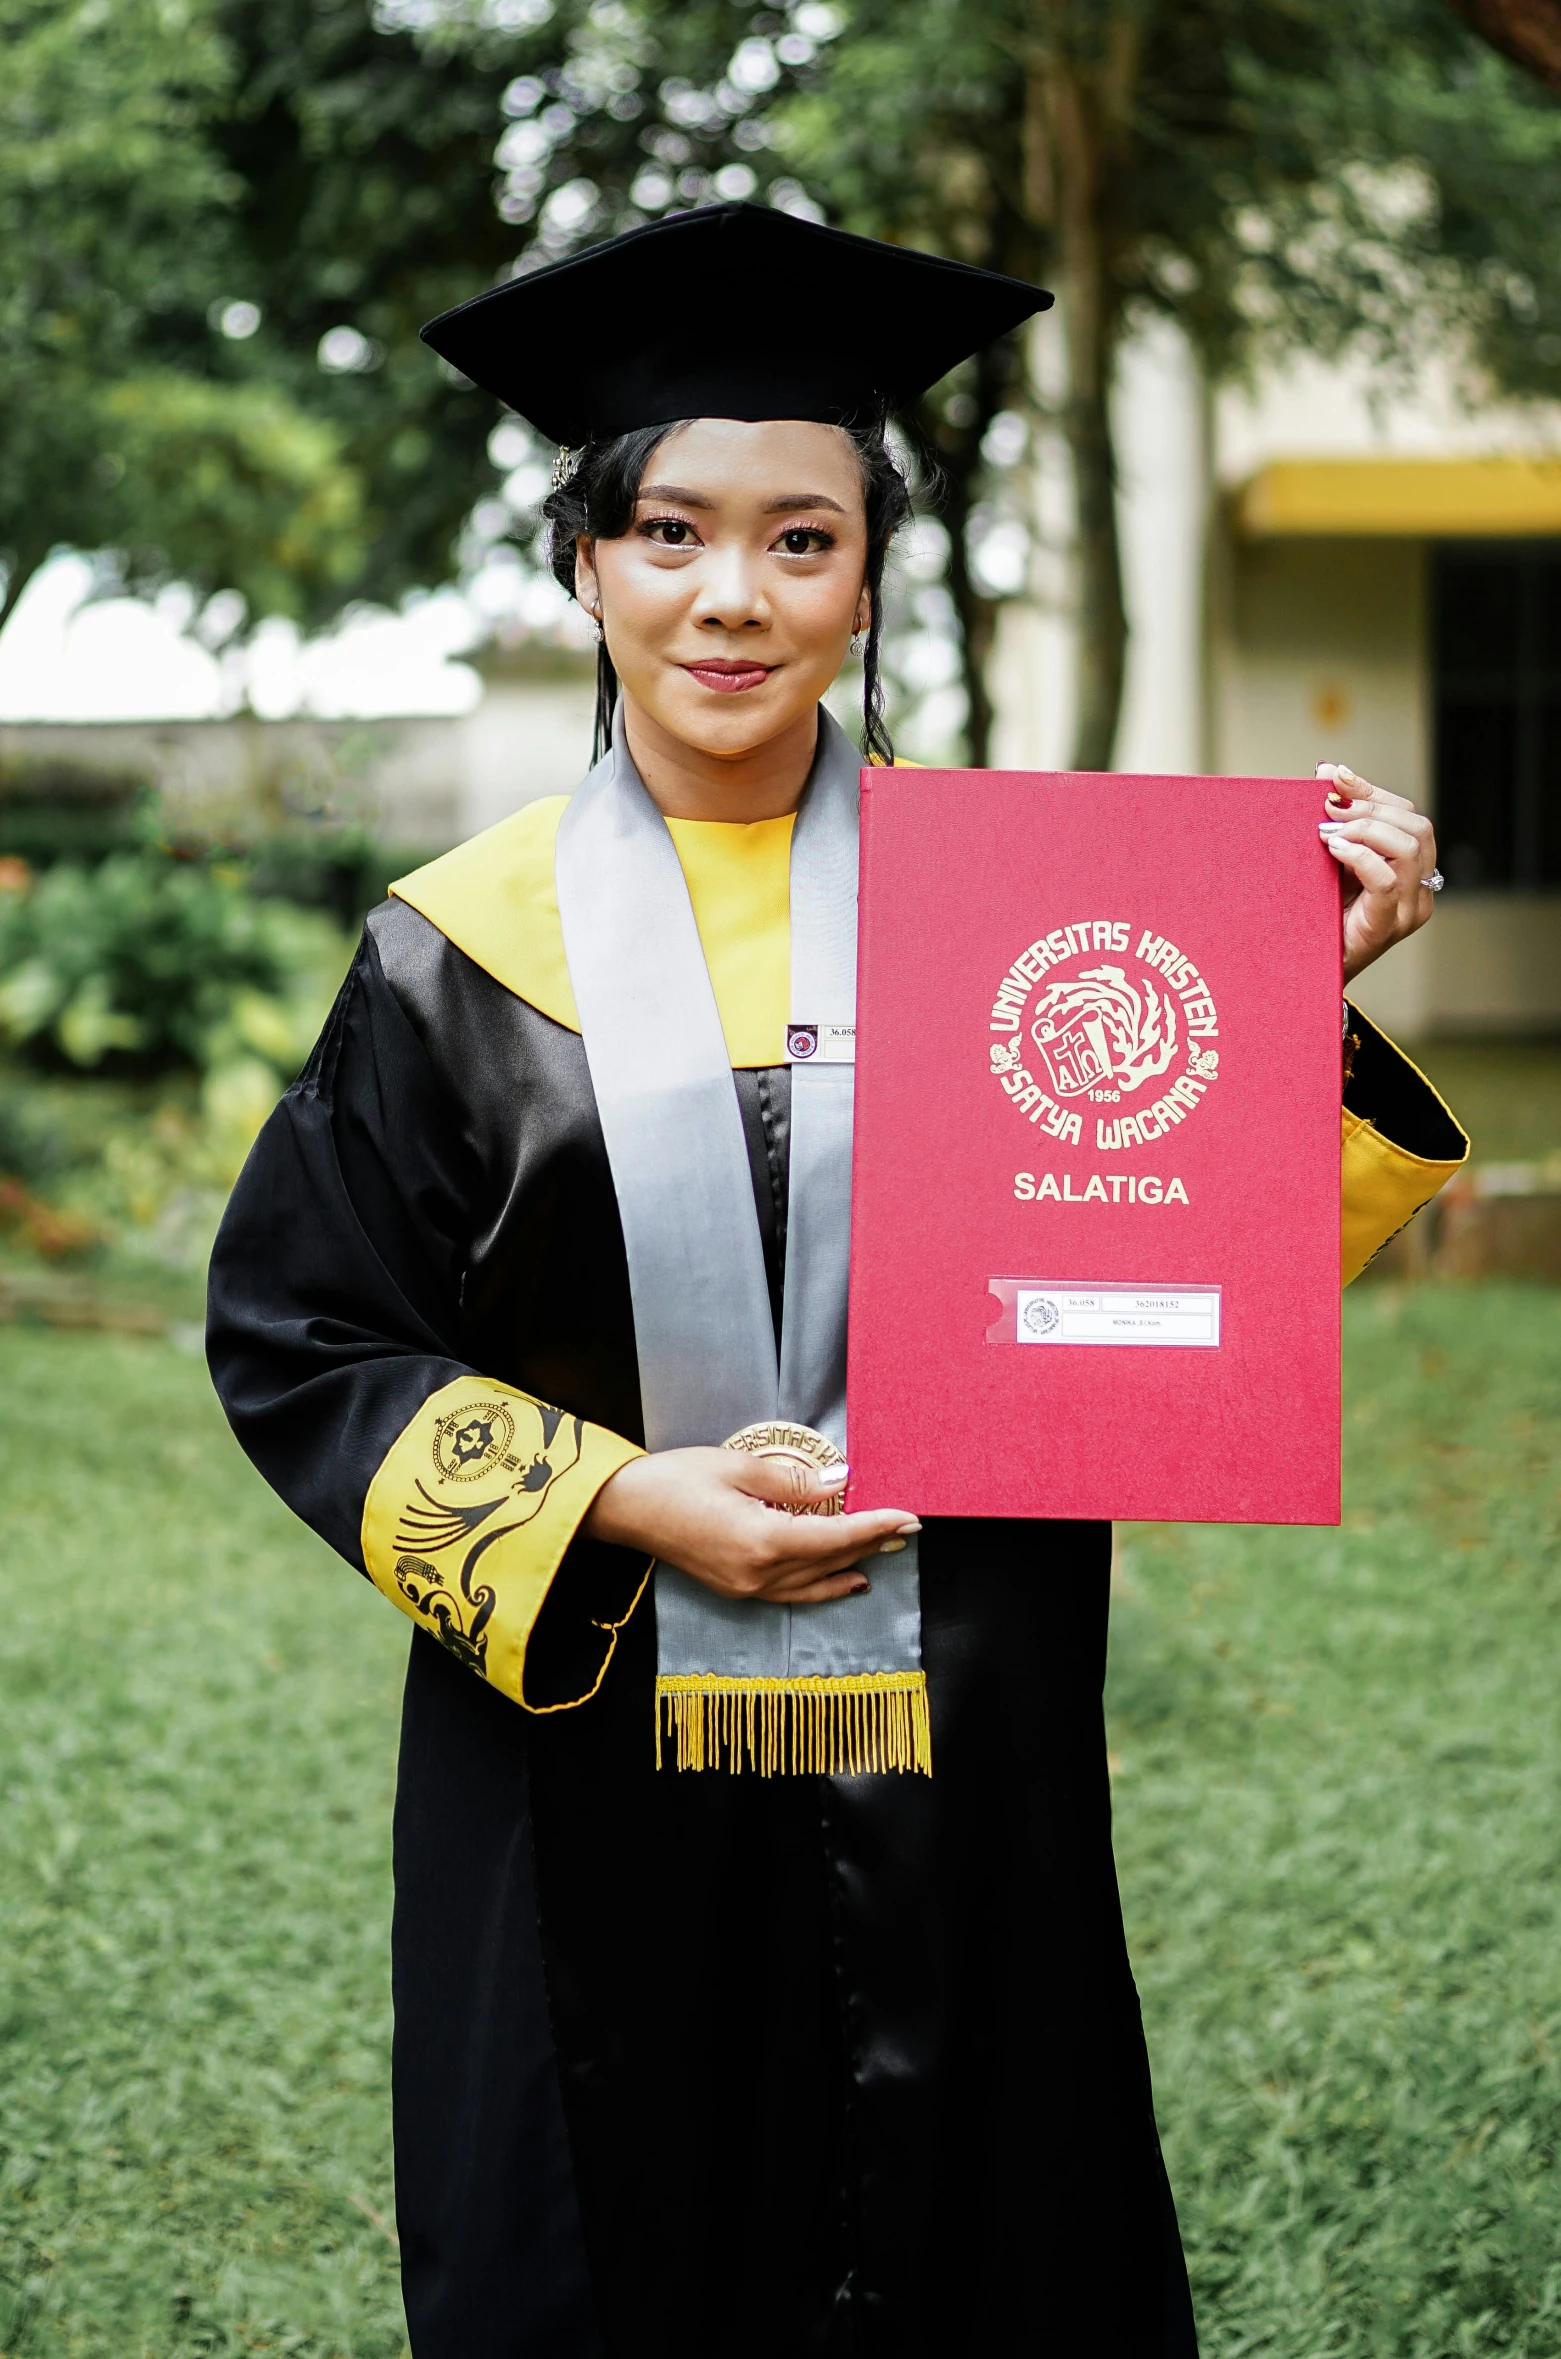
1317, 654
524, 740
400, 777
425, 781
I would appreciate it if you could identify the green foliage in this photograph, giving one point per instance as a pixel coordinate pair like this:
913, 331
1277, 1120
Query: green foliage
165, 161
32, 1148
52, 808
1378, 182
257, 488
1306, 174
163, 961
126, 423
342, 870
364, 165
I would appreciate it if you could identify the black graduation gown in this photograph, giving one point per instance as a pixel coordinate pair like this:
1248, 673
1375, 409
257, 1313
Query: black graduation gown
844, 2066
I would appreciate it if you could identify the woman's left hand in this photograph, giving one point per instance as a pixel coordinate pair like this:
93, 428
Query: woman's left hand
1387, 850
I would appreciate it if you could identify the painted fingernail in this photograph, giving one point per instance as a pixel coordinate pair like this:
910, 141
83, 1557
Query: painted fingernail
1330, 826
835, 1478
1343, 770
1326, 770
857, 1587
910, 1525
888, 1547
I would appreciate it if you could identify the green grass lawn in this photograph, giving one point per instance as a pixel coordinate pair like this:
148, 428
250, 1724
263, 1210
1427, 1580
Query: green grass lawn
197, 1730
1339, 1821
1339, 1813
1506, 1093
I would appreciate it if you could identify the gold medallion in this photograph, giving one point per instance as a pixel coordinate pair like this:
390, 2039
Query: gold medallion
777, 1438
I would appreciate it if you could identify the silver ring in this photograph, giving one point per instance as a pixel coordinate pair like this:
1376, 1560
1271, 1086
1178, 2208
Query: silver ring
1434, 882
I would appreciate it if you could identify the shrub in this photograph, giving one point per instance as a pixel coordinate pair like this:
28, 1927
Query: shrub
148, 962
45, 1228
52, 808
32, 1148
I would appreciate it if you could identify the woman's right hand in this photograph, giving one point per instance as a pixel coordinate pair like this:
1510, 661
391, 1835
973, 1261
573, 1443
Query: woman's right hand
705, 1512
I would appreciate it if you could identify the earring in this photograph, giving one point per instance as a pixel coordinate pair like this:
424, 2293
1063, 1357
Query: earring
856, 640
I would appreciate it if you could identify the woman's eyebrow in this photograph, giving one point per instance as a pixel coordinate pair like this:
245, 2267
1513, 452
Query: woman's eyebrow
693, 499
802, 499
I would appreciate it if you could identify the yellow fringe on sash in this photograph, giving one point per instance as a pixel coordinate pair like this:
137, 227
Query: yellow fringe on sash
869, 1723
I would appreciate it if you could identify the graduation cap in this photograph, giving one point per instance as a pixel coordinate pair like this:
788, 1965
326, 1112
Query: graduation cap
734, 311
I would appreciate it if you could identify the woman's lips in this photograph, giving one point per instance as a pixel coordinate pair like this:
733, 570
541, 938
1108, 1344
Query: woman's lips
729, 678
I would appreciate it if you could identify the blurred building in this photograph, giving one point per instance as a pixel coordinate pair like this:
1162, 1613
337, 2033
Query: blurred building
419, 782
1316, 572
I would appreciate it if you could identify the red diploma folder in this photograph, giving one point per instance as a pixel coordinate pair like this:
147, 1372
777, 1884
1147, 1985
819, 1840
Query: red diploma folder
1095, 1207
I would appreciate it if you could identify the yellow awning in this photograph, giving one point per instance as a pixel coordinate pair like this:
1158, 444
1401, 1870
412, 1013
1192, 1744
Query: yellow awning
1431, 499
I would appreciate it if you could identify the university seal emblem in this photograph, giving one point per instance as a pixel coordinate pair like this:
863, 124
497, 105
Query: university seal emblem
466, 1446
1102, 1015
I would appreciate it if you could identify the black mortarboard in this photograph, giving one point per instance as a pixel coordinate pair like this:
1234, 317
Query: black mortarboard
734, 311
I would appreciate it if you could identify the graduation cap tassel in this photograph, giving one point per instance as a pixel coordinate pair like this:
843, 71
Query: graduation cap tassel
870, 1723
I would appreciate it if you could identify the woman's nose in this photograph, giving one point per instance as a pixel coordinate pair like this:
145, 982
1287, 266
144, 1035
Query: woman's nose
729, 594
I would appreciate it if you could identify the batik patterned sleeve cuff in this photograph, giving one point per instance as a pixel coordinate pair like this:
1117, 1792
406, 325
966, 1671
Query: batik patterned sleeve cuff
1400, 1143
469, 1515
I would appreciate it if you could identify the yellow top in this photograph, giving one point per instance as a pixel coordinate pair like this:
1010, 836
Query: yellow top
495, 898
739, 880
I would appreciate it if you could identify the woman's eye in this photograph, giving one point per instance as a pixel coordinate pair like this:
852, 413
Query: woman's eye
804, 541
670, 531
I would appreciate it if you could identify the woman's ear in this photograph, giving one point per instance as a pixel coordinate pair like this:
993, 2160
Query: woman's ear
864, 615
588, 589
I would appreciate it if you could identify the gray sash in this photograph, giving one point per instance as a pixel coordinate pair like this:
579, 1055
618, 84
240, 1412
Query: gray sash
775, 1686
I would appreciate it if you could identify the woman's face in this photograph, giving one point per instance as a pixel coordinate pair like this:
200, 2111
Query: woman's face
730, 602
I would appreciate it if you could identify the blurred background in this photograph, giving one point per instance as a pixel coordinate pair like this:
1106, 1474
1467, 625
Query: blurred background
1279, 481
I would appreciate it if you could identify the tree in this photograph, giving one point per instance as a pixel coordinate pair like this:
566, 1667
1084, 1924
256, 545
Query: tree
361, 160
118, 426
222, 223
216, 369
219, 236
1274, 176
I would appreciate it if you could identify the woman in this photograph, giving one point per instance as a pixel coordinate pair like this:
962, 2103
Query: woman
812, 2061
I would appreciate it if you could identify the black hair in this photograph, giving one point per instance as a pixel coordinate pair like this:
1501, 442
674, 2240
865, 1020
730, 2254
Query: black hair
598, 497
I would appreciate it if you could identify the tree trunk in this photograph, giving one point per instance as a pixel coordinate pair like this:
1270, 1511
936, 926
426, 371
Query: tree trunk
19, 573
955, 452
1101, 617
977, 635
1527, 31
1077, 111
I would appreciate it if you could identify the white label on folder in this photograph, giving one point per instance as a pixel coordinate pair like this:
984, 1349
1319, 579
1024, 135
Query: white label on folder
821, 1044
1117, 1314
